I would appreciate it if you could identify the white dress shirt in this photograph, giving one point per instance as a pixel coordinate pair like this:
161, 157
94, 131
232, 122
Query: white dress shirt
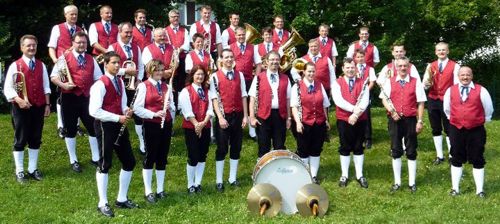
274, 88
371, 73
485, 101
188, 64
296, 76
186, 45
225, 37
93, 35
212, 93
294, 98
140, 100
445, 62
192, 31
185, 103
256, 49
56, 33
376, 58
419, 89
382, 74
335, 53
97, 70
343, 103
97, 93
9, 90
140, 65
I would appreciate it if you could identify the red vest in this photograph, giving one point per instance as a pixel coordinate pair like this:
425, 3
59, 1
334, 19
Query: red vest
154, 101
177, 39
141, 40
33, 81
404, 98
312, 105
156, 53
322, 70
230, 92
266, 95
198, 106
276, 37
351, 97
442, 81
112, 102
123, 55
326, 50
64, 41
103, 38
196, 60
232, 36
368, 52
244, 62
83, 77
263, 49
466, 114
213, 32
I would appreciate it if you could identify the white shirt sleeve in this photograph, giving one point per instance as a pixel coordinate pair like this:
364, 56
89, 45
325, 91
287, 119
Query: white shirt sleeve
446, 103
185, 104
414, 73
8, 90
381, 75
288, 90
54, 37
350, 51
331, 70
218, 38
192, 31
376, 58
93, 36
188, 64
335, 53
256, 57
186, 45
339, 100
225, 39
387, 90
97, 70
140, 74
294, 98
97, 92
146, 56
420, 92
252, 91
371, 75
487, 104
139, 102
46, 82
455, 74
295, 74
326, 101
243, 86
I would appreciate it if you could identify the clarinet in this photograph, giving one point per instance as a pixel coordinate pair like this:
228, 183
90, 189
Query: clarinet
219, 100
256, 102
124, 125
299, 102
363, 91
387, 98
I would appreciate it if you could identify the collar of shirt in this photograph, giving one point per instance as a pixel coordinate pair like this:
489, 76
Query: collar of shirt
225, 71
407, 78
173, 27
123, 44
307, 82
278, 30
323, 38
361, 42
471, 85
104, 22
347, 79
76, 54
359, 66
269, 72
139, 26
312, 56
266, 43
203, 22
27, 60
112, 77
154, 81
239, 44
69, 26
158, 45
195, 86
445, 61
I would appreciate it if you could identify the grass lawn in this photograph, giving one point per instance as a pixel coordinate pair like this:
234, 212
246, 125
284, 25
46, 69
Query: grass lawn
67, 197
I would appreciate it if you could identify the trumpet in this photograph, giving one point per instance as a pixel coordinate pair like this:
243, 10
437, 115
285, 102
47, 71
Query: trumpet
289, 50
64, 73
20, 86
131, 82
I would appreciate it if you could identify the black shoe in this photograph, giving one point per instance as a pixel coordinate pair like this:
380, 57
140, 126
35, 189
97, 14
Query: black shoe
76, 167
235, 183
315, 180
106, 211
413, 188
363, 182
79, 131
481, 194
368, 144
395, 187
141, 152
161, 195
454, 193
254, 138
126, 204
343, 181
61, 132
438, 161
150, 198
191, 190
36, 175
198, 189
219, 187
21, 177
94, 163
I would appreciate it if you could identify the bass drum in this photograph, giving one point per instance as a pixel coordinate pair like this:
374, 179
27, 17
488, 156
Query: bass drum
286, 171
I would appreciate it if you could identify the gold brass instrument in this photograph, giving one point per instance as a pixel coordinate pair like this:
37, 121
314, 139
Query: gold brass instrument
208, 42
251, 34
131, 78
64, 74
100, 59
429, 77
312, 200
299, 64
20, 86
289, 50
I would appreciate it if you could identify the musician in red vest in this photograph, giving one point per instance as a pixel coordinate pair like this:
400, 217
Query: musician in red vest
280, 35
209, 29
439, 76
403, 97
155, 104
271, 90
159, 50
109, 107
267, 44
228, 36
372, 55
309, 103
351, 95
366, 72
84, 71
103, 33
468, 105
327, 45
28, 111
129, 51
59, 42
197, 110
141, 34
198, 56
229, 99
389, 70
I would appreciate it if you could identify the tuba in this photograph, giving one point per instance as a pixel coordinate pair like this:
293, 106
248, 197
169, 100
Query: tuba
131, 78
20, 86
251, 34
289, 51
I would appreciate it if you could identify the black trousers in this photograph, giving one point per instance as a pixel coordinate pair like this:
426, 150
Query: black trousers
107, 133
437, 117
157, 141
404, 128
310, 142
197, 148
467, 145
273, 128
28, 126
130, 96
351, 137
179, 81
232, 135
74, 107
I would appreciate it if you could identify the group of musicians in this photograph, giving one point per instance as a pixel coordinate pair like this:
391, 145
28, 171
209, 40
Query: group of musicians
150, 73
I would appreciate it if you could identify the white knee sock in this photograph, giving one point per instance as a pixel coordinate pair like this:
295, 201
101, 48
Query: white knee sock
102, 188
94, 148
233, 170
358, 165
59, 116
438, 144
449, 146
396, 168
251, 131
33, 160
147, 176
456, 175
344, 165
314, 165
71, 146
160, 180
138, 131
125, 177
18, 160
403, 143
200, 168
219, 171
412, 172
478, 179
306, 161
190, 173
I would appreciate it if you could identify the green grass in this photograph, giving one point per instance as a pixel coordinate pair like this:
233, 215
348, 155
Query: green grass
66, 197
